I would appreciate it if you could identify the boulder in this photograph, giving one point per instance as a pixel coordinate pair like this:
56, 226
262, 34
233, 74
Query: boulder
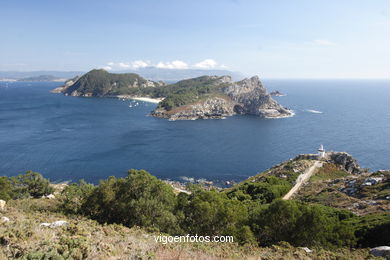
59, 223
50, 196
307, 250
55, 224
2, 205
380, 251
4, 219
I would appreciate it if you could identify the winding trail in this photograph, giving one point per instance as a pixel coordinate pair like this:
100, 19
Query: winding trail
302, 178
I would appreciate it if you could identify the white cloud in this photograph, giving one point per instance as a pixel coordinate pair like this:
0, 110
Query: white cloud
139, 64
107, 68
124, 65
176, 64
206, 64
324, 42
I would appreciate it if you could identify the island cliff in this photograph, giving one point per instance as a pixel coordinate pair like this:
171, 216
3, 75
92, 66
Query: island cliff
222, 98
206, 97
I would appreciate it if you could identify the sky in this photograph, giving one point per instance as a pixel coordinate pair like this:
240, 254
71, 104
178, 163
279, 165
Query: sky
272, 39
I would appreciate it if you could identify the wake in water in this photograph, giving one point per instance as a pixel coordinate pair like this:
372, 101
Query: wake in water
313, 111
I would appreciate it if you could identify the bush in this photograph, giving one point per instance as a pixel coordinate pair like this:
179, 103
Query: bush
140, 199
24, 185
6, 188
302, 225
213, 213
30, 184
263, 191
372, 230
74, 196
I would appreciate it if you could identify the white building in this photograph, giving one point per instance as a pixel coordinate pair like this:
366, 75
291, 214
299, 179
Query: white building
321, 151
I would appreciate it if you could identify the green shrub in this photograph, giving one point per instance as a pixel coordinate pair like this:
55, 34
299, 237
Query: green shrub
74, 196
140, 199
6, 188
213, 213
31, 184
302, 225
372, 230
263, 191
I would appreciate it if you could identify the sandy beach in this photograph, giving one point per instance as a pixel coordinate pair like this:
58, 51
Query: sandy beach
145, 99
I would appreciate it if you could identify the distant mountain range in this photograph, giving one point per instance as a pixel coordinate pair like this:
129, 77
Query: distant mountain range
42, 78
151, 73
17, 75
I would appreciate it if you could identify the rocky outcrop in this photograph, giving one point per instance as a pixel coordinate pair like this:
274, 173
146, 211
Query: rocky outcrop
277, 93
243, 97
211, 108
342, 159
252, 98
67, 84
345, 161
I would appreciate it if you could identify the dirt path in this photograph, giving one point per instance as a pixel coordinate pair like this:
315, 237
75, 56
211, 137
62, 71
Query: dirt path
302, 178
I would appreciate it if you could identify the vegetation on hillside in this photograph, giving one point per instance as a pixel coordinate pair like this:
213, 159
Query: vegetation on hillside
103, 83
83, 238
30, 184
361, 194
252, 212
188, 91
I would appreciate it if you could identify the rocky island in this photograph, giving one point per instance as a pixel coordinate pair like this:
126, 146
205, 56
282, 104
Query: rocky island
277, 93
211, 97
206, 97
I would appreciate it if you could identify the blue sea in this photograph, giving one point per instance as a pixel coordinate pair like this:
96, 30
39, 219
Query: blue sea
72, 138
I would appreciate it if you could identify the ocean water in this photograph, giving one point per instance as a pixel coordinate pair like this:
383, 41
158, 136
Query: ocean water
69, 138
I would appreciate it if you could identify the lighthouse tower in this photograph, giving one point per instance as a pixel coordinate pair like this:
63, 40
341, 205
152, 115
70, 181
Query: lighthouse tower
321, 152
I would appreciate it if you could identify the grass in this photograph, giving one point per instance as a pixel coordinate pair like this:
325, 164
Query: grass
329, 171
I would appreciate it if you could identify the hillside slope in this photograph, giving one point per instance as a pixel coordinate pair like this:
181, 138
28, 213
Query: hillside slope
121, 217
24, 238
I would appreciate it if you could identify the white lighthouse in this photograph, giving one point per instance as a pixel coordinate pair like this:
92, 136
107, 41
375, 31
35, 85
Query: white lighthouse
321, 152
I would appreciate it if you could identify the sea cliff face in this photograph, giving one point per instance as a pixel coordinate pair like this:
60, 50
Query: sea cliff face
243, 97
